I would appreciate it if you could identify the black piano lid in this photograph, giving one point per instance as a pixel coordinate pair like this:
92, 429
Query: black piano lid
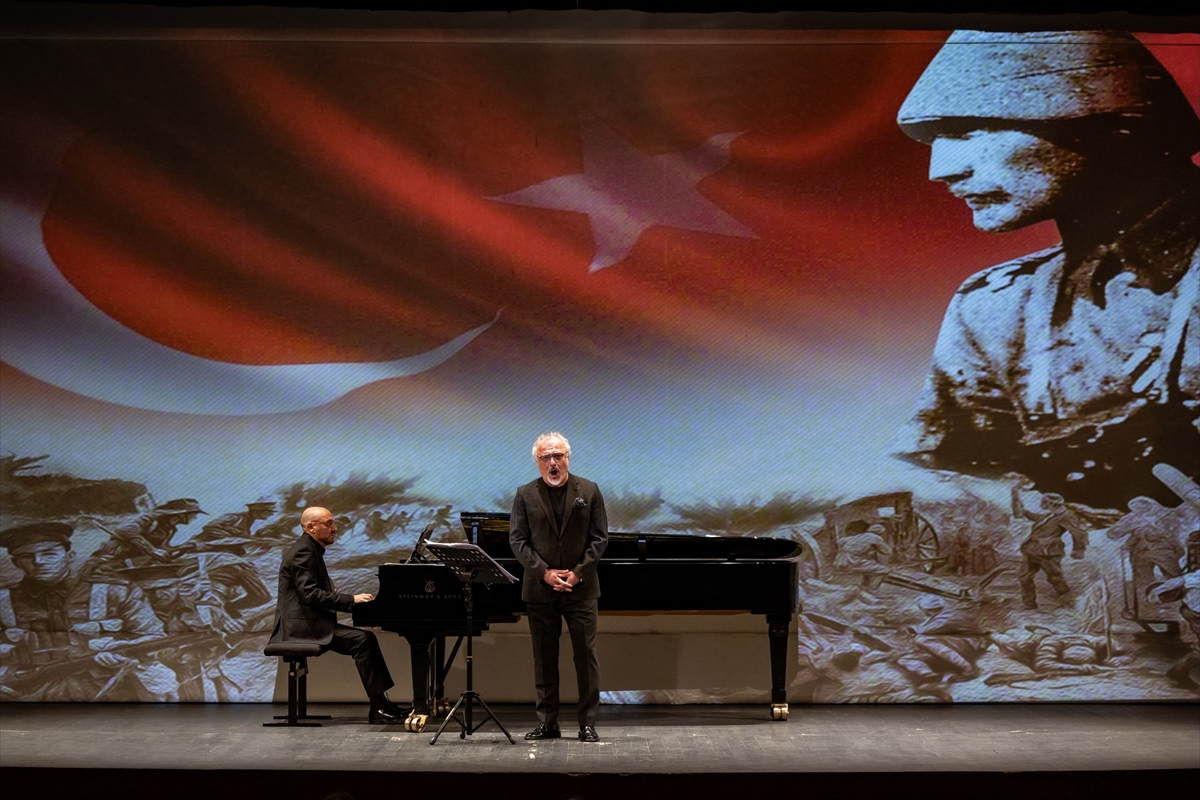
489, 530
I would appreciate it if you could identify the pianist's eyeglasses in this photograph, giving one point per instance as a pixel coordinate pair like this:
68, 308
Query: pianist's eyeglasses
548, 457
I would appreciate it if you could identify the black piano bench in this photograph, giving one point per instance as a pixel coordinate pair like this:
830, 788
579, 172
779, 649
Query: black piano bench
297, 655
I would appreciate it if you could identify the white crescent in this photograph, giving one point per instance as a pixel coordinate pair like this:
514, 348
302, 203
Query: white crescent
49, 330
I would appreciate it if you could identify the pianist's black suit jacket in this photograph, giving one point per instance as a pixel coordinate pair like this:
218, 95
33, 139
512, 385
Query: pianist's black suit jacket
539, 545
307, 606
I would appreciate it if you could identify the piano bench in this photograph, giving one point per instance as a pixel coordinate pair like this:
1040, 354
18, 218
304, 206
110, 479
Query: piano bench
297, 655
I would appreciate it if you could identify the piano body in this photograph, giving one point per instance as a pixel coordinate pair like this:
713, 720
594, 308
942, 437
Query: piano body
648, 573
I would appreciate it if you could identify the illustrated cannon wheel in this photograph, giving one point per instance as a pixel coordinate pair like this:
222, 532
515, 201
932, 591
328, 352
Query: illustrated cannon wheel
927, 547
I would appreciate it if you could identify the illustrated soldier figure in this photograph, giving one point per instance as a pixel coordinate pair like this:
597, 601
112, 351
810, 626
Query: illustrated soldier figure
1043, 551
1185, 588
377, 526
205, 600
947, 644
1053, 655
146, 539
1150, 540
1077, 366
68, 638
865, 554
233, 530
442, 519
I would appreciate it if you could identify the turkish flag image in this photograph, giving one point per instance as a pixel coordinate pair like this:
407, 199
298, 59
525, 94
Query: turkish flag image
695, 229
296, 203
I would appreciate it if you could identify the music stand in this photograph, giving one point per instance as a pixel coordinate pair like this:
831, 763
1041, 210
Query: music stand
470, 565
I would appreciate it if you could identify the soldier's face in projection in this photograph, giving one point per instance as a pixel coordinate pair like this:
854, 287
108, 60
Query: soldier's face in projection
47, 562
552, 462
1008, 178
179, 521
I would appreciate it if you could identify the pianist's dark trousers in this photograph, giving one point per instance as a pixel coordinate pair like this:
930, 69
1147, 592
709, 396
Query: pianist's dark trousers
545, 626
364, 647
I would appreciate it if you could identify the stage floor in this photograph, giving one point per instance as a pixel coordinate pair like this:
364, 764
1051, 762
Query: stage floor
634, 739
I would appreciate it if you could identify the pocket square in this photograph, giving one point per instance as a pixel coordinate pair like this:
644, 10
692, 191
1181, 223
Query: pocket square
580, 502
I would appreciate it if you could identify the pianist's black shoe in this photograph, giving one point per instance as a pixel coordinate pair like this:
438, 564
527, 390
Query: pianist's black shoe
385, 712
546, 730
588, 734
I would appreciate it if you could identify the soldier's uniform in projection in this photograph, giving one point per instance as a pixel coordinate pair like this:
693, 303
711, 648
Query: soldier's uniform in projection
1052, 654
1152, 544
1030, 373
199, 594
145, 539
233, 531
1043, 551
1185, 588
53, 632
205, 601
864, 555
947, 646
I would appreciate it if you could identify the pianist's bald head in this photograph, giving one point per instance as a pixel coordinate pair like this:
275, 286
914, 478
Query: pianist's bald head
312, 514
318, 523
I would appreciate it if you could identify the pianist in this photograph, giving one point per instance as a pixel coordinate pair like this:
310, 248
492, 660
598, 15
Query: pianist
307, 611
558, 531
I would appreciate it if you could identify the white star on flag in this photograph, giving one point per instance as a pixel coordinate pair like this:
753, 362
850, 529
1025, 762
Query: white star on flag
624, 191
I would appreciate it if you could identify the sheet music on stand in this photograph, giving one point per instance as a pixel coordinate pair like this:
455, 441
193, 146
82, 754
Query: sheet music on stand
470, 563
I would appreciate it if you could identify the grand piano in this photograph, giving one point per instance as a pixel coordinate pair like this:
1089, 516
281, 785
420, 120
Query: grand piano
639, 572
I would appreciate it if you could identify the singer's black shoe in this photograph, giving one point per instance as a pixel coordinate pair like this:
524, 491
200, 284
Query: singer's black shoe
588, 734
385, 713
546, 730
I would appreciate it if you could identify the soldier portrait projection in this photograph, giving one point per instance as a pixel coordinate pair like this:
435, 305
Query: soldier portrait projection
924, 303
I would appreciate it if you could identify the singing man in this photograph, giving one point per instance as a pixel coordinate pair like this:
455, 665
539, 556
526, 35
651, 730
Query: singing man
558, 531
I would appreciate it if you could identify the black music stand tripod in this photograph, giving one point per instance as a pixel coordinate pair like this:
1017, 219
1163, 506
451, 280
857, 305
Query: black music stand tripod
470, 565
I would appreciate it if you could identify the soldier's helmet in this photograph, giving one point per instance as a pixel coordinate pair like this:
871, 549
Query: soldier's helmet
1047, 76
261, 506
180, 506
19, 536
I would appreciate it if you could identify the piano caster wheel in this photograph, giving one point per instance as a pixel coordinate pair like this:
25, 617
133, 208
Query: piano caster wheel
779, 711
440, 708
415, 723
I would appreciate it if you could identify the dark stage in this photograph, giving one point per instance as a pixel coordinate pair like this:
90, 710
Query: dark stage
185, 751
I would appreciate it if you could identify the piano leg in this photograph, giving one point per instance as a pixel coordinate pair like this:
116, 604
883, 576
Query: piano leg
777, 635
438, 704
419, 650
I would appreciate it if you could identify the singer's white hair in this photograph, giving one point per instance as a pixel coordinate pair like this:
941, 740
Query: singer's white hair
552, 436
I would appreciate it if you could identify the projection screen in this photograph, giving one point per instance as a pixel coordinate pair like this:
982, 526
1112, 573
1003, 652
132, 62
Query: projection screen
794, 284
